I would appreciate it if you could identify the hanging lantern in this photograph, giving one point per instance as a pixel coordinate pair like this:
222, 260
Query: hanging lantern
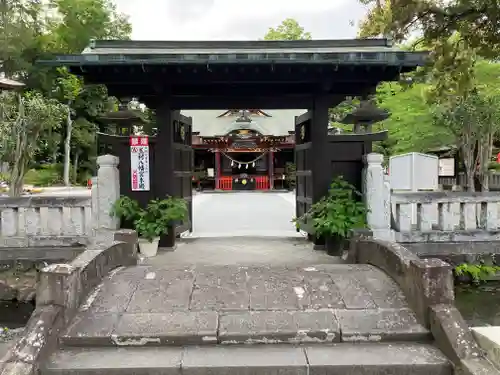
239, 166
253, 164
232, 163
247, 166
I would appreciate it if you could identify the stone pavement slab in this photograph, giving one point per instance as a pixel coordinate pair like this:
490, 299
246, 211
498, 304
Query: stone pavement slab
339, 359
384, 359
187, 305
175, 328
242, 251
381, 325
278, 327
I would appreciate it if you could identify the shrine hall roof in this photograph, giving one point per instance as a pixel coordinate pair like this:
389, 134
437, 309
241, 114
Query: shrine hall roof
209, 123
355, 51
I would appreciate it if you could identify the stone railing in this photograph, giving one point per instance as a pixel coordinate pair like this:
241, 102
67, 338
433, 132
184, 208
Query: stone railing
445, 216
61, 290
428, 287
451, 182
63, 221
456, 226
40, 221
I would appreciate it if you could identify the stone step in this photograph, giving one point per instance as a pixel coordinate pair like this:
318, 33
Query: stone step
272, 327
339, 359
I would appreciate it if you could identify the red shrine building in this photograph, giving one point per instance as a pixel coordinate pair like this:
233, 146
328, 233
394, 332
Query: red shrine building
243, 149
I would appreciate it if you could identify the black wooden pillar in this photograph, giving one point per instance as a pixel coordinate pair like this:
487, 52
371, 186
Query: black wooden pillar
320, 166
320, 163
312, 159
163, 160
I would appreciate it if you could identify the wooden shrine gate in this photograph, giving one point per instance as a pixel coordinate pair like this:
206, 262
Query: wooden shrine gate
179, 179
303, 165
183, 158
342, 156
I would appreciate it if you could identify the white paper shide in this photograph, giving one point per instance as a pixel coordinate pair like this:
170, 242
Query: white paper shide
139, 163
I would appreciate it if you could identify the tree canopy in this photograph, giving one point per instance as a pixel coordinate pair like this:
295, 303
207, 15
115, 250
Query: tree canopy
289, 29
65, 107
476, 21
461, 86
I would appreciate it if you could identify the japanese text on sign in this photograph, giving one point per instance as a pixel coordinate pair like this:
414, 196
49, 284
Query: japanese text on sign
139, 163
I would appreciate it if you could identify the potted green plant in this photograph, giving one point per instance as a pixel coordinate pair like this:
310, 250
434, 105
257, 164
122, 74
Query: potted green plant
150, 223
336, 215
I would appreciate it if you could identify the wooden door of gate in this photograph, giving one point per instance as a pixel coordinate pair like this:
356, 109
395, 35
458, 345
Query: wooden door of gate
303, 163
183, 159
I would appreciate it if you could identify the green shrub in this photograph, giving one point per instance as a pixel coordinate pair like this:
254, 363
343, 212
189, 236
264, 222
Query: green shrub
338, 213
477, 272
494, 166
155, 219
47, 175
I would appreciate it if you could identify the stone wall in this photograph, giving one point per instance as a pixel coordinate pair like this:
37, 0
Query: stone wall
428, 287
40, 221
61, 289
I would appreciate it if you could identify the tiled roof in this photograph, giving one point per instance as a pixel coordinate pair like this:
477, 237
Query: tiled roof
208, 124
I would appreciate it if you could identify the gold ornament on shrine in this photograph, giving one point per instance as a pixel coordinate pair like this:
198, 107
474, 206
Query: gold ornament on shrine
244, 181
182, 132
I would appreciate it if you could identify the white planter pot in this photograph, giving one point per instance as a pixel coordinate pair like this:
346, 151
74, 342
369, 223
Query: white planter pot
148, 249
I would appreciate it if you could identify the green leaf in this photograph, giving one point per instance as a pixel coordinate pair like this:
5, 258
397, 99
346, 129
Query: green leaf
156, 218
338, 213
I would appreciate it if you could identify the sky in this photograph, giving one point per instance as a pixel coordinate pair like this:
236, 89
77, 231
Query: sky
238, 19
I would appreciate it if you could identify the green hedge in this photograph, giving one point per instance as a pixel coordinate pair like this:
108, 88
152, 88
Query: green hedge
47, 175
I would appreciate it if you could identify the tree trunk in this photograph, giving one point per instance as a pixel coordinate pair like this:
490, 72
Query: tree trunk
67, 146
470, 157
75, 167
469, 166
19, 168
19, 164
485, 149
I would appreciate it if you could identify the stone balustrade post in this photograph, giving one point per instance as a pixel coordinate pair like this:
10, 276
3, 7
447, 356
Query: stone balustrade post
377, 197
108, 191
94, 194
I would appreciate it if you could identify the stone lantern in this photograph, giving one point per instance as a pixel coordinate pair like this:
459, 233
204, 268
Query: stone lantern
123, 120
9, 84
364, 116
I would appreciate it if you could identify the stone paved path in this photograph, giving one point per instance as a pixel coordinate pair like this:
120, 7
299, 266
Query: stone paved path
174, 305
231, 292
242, 251
244, 214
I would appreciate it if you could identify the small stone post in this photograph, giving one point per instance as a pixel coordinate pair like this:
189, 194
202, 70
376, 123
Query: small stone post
377, 197
108, 191
94, 194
